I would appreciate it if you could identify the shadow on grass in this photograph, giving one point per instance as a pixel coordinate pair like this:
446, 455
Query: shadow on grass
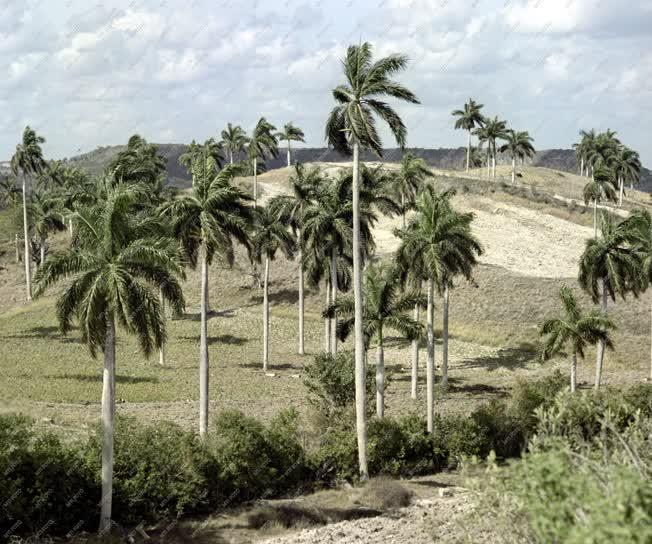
271, 367
431, 483
202, 533
226, 312
228, 339
284, 296
47, 333
98, 378
295, 515
508, 358
457, 385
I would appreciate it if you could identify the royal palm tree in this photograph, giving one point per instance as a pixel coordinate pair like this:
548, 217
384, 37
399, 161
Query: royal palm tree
207, 220
46, 215
583, 148
493, 129
304, 186
602, 149
28, 160
270, 235
351, 125
234, 140
627, 166
262, 145
210, 148
519, 146
576, 330
290, 133
113, 272
609, 266
138, 163
601, 187
467, 119
409, 180
386, 307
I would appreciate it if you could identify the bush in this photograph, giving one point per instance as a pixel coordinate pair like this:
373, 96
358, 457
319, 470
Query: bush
385, 494
459, 437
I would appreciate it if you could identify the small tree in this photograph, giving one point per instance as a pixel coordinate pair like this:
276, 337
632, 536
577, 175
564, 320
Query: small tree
290, 133
46, 213
467, 119
519, 146
601, 187
234, 140
262, 144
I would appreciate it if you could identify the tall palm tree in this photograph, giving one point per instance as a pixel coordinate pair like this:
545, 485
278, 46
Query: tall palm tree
583, 148
350, 126
408, 181
627, 166
290, 133
493, 129
467, 119
575, 329
609, 266
207, 220
210, 148
519, 146
386, 307
304, 185
234, 139
262, 145
28, 160
602, 150
138, 163
269, 236
46, 214
113, 272
601, 187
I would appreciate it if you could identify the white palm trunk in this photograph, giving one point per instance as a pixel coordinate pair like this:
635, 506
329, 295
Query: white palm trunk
430, 364
108, 416
266, 315
231, 156
17, 247
488, 161
161, 350
493, 165
28, 268
203, 346
403, 207
513, 170
415, 358
573, 376
334, 288
601, 344
301, 301
444, 361
468, 149
42, 251
327, 320
255, 181
380, 377
360, 372
70, 227
621, 190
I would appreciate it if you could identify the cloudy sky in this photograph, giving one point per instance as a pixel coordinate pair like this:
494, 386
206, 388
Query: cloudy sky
87, 74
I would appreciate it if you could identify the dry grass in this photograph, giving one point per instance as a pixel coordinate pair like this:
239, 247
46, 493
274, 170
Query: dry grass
385, 494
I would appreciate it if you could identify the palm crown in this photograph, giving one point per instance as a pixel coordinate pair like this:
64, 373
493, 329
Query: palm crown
28, 157
263, 143
469, 117
234, 139
291, 133
270, 235
518, 144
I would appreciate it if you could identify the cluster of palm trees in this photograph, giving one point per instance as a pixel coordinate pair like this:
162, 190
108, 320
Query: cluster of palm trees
610, 165
518, 144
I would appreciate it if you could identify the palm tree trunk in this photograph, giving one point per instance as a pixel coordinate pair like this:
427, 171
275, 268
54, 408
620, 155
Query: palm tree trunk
42, 251
573, 377
595, 218
430, 366
28, 268
289, 156
415, 357
444, 363
334, 300
361, 425
488, 161
255, 181
327, 320
513, 170
493, 164
266, 315
380, 376
582, 166
108, 413
203, 346
161, 350
70, 227
468, 150
231, 156
301, 301
601, 344
621, 189
17, 247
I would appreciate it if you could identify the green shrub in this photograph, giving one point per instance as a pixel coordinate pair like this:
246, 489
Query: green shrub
459, 437
385, 494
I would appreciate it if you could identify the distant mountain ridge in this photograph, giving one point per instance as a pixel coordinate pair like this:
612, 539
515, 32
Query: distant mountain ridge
444, 158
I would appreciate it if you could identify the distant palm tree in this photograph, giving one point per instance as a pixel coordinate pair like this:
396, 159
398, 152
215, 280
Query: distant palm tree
467, 119
602, 150
602, 187
609, 266
234, 139
262, 144
519, 146
28, 160
583, 148
207, 220
350, 126
409, 180
269, 236
290, 133
627, 166
210, 148
115, 269
304, 185
46, 214
575, 329
493, 129
138, 163
386, 307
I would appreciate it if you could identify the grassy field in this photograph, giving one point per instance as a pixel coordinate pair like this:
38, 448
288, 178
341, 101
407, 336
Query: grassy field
494, 340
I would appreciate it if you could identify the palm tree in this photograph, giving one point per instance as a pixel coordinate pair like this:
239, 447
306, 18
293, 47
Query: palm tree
609, 266
519, 145
575, 329
409, 180
207, 220
9, 198
210, 148
269, 236
493, 129
467, 119
436, 246
601, 187
290, 133
28, 160
262, 144
138, 163
583, 148
304, 185
350, 126
113, 271
386, 307
234, 139
46, 215
627, 166
602, 150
